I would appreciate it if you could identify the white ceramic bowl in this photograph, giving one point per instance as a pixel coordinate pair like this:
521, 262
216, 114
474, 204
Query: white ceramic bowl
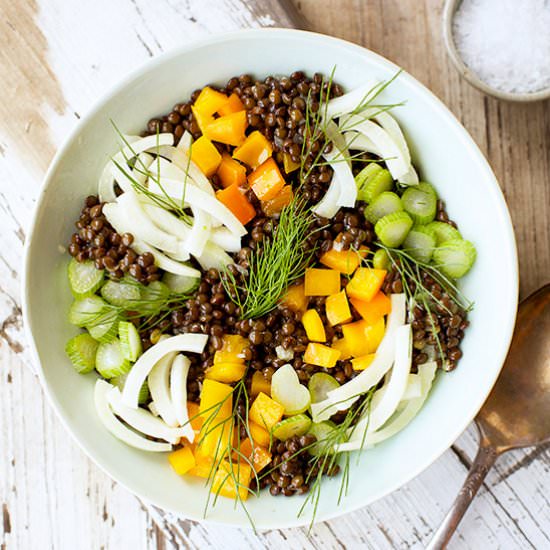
445, 155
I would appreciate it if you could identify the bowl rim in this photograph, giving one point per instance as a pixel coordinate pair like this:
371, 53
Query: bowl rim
449, 10
280, 34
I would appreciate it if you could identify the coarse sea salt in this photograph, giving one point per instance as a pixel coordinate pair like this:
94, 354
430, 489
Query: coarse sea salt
506, 42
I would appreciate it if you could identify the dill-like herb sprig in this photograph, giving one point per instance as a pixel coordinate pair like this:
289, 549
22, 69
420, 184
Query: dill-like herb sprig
165, 201
148, 311
410, 270
275, 263
228, 453
326, 459
317, 136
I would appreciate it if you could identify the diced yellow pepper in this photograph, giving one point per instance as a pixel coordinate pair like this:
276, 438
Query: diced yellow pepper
321, 282
266, 181
259, 456
344, 261
374, 310
233, 105
259, 384
320, 355
342, 346
231, 480
361, 363
265, 411
182, 460
203, 465
374, 334
288, 164
205, 155
228, 129
193, 410
259, 435
210, 101
363, 338
255, 150
235, 344
313, 326
231, 171
337, 308
203, 120
226, 372
295, 298
221, 356
365, 283
216, 409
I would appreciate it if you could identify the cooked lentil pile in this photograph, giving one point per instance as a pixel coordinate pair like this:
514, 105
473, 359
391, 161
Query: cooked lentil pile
278, 108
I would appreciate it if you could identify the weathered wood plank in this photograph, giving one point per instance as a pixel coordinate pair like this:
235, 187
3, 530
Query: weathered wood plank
52, 495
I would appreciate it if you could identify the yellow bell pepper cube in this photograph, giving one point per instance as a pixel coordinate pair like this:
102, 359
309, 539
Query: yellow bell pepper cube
266, 181
276, 204
203, 465
365, 283
344, 261
205, 155
265, 411
182, 460
221, 356
363, 338
337, 308
313, 326
321, 355
259, 456
231, 480
203, 120
374, 310
374, 334
288, 164
259, 384
235, 343
210, 101
321, 282
228, 129
342, 346
216, 409
255, 150
361, 363
231, 171
295, 298
232, 105
259, 435
193, 410
226, 372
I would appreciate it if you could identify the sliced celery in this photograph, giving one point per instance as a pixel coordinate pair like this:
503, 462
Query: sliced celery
393, 228
384, 204
81, 350
420, 201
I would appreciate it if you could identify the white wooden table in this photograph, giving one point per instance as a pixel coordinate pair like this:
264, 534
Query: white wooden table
57, 57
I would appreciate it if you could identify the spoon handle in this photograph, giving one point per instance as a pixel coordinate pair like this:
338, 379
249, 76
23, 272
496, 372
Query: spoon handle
484, 460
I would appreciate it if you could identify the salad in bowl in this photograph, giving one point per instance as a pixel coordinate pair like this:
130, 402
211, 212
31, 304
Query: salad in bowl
263, 284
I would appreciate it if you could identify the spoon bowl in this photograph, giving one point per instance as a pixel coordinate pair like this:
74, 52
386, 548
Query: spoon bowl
517, 411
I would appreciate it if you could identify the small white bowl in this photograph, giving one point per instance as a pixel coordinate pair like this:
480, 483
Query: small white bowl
449, 11
445, 155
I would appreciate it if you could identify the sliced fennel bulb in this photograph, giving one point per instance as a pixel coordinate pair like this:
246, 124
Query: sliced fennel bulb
344, 396
178, 394
142, 420
159, 386
117, 428
193, 343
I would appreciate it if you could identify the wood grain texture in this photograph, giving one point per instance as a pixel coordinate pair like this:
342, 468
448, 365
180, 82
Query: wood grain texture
58, 57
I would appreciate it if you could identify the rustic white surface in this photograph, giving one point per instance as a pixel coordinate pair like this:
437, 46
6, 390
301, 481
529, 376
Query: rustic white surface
57, 58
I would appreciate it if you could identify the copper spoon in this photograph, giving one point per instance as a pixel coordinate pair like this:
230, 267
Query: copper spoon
517, 412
